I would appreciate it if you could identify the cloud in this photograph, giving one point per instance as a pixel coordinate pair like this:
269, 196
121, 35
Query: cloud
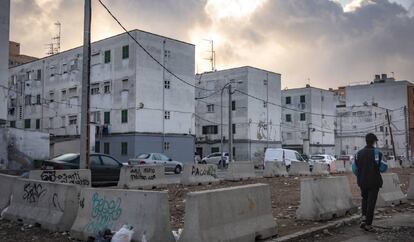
331, 42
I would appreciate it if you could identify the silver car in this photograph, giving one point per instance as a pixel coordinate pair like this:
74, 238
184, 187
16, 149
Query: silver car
158, 159
215, 158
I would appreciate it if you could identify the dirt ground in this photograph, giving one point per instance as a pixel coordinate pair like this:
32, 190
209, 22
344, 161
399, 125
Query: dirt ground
285, 201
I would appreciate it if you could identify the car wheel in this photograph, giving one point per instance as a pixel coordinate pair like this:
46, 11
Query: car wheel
177, 169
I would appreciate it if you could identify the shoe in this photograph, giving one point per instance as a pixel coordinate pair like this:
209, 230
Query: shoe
369, 228
362, 225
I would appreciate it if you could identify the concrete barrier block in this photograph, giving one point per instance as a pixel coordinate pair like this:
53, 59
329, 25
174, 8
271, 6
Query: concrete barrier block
142, 177
325, 198
339, 166
410, 193
390, 193
80, 177
320, 169
6, 188
348, 166
146, 211
391, 163
52, 205
242, 213
240, 171
299, 168
273, 169
197, 174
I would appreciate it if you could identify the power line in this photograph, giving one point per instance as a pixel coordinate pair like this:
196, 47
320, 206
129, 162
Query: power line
147, 52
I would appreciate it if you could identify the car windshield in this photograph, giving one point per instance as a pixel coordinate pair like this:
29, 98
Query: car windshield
66, 157
317, 157
143, 156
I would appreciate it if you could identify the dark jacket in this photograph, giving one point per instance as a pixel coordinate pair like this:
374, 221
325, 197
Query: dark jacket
368, 175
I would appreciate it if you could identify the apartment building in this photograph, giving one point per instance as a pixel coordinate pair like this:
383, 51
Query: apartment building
136, 105
15, 57
255, 109
4, 56
308, 118
387, 93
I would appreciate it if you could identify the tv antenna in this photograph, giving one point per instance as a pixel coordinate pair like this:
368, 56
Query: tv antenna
54, 46
212, 57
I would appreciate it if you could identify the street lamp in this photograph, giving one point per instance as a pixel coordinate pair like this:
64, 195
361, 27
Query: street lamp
227, 85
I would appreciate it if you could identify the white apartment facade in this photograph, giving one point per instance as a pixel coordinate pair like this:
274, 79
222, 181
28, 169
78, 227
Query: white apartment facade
4, 57
256, 118
136, 105
308, 118
393, 95
354, 122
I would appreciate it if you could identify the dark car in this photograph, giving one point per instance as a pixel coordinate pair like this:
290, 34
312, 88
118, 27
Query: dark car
104, 168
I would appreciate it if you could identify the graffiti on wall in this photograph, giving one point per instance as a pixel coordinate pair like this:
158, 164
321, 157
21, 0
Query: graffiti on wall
71, 177
104, 213
143, 173
32, 192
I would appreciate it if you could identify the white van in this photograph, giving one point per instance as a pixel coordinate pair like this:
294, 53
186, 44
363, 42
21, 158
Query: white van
282, 155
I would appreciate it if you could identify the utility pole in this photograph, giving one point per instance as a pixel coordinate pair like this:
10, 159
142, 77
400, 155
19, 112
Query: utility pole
230, 126
392, 138
267, 109
85, 118
407, 137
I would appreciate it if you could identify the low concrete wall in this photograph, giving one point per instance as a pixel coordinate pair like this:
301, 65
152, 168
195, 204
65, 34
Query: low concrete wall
325, 198
299, 168
348, 166
242, 213
80, 177
390, 193
52, 205
275, 169
240, 170
340, 167
142, 177
197, 174
410, 193
320, 169
6, 188
146, 211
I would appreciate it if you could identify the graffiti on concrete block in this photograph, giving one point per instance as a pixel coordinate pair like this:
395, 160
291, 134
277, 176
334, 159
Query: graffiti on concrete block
72, 178
56, 203
144, 173
203, 171
104, 213
33, 192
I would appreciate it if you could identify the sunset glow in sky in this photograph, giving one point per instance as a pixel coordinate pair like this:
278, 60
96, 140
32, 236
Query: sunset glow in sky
330, 42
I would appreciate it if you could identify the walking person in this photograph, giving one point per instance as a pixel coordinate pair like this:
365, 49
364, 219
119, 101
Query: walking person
367, 166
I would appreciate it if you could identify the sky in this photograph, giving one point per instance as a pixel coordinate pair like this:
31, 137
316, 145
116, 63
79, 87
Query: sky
325, 43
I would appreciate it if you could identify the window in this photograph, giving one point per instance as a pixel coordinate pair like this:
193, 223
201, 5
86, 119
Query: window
51, 123
381, 128
39, 74
167, 84
233, 105
322, 98
27, 100
96, 117
125, 84
37, 123
265, 82
12, 124
63, 95
302, 116
210, 129
215, 149
288, 136
288, 100
73, 120
107, 87
210, 108
167, 53
166, 114
125, 52
166, 145
233, 128
106, 148
124, 148
107, 54
51, 97
94, 161
124, 116
107, 117
63, 121
234, 151
38, 101
97, 146
27, 123
302, 99
108, 161
95, 89
264, 104
73, 91
288, 118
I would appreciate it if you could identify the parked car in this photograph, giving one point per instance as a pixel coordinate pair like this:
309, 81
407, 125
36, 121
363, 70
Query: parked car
215, 158
282, 155
323, 158
169, 164
104, 168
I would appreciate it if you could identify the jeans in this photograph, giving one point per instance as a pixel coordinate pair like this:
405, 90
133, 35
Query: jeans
369, 199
